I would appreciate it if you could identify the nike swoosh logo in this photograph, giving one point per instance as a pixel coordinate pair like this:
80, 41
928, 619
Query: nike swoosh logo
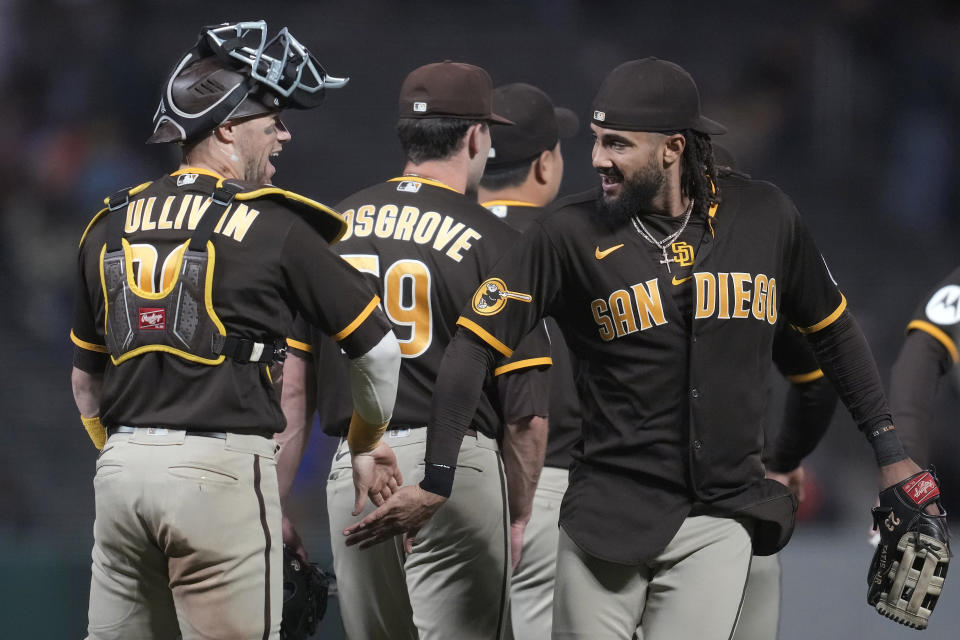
677, 281
603, 254
337, 457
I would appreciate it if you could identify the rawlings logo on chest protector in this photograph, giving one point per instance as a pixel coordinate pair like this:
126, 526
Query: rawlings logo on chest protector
154, 319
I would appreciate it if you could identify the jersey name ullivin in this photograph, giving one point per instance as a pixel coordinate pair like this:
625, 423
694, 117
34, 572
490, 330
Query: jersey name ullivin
142, 215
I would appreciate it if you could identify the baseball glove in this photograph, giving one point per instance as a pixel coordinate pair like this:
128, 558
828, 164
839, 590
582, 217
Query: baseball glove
304, 597
910, 564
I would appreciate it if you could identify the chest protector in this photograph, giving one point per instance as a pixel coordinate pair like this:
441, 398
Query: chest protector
180, 319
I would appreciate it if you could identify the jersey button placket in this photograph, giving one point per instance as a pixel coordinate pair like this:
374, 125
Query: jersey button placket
697, 443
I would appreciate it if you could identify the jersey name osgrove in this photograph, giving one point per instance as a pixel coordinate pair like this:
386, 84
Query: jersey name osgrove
407, 223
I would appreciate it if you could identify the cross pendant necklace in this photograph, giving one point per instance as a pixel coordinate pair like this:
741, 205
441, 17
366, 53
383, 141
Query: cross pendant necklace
666, 242
666, 260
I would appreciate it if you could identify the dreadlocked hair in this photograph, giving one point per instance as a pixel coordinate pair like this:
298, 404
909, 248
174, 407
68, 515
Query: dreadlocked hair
699, 172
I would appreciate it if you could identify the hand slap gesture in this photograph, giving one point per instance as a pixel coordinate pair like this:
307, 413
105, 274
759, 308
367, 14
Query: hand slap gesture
405, 512
375, 474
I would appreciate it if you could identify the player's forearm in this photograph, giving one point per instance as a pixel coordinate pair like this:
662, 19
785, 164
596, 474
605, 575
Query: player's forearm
523, 449
87, 391
843, 354
809, 409
373, 386
298, 402
466, 364
914, 381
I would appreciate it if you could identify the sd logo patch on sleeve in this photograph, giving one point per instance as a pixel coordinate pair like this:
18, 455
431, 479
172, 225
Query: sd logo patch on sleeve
491, 297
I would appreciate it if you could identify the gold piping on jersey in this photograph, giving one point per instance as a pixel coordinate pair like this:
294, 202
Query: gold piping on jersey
134, 191
506, 203
523, 364
332, 235
350, 328
296, 197
803, 378
432, 183
89, 346
826, 322
207, 299
937, 333
299, 346
484, 335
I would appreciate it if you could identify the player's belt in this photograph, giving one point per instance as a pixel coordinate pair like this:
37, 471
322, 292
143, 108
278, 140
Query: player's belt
398, 427
222, 435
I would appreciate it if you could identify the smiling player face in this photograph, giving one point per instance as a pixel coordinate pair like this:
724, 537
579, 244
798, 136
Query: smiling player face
631, 176
257, 141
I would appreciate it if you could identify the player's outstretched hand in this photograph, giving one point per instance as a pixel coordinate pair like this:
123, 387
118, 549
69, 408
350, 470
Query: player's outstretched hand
375, 474
291, 539
405, 512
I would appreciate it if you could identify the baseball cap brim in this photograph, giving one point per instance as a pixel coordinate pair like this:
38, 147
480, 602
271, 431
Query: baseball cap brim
710, 127
567, 122
495, 119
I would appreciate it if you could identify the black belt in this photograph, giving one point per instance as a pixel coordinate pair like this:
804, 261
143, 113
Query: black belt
222, 435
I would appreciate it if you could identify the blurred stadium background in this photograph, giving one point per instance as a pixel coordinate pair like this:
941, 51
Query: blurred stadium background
851, 106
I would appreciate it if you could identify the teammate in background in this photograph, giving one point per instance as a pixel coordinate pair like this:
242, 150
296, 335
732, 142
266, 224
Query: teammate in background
427, 247
808, 409
173, 384
523, 175
928, 353
667, 499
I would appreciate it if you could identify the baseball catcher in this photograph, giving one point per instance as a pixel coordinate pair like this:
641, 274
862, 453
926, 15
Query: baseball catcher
910, 564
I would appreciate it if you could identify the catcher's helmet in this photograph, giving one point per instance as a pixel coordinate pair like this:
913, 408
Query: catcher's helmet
304, 597
234, 71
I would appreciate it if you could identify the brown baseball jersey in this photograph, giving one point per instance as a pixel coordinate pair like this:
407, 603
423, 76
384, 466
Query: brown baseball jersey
672, 402
425, 247
564, 406
270, 259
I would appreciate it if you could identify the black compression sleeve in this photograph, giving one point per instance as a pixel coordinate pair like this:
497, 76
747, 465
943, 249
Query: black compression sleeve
845, 358
807, 415
466, 364
914, 381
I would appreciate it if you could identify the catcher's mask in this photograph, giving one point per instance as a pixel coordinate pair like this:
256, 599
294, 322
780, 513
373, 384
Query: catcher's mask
234, 72
304, 597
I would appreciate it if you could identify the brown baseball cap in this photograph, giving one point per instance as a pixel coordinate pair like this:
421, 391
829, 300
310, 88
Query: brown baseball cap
538, 124
449, 90
651, 95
